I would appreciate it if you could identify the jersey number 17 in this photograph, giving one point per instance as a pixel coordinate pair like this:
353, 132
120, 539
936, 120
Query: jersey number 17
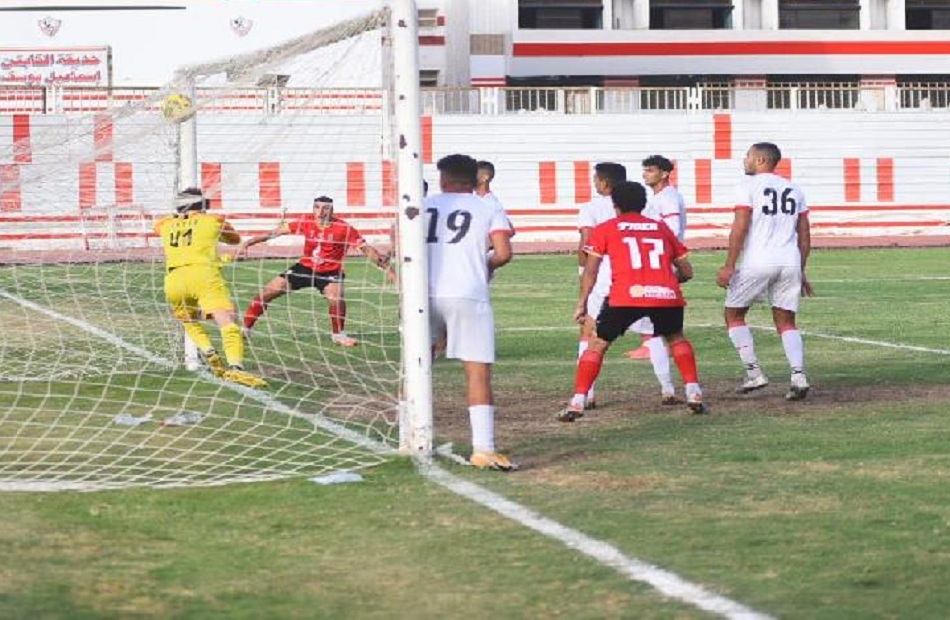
654, 252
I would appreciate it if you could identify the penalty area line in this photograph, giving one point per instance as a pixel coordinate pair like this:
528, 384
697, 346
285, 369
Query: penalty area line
762, 328
665, 582
862, 341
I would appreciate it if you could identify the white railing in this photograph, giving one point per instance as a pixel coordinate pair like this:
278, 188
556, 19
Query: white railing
501, 100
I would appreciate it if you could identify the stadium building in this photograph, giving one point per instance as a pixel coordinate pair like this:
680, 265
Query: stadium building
854, 91
839, 53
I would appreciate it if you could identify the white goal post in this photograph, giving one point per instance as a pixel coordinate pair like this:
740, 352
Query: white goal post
93, 392
416, 342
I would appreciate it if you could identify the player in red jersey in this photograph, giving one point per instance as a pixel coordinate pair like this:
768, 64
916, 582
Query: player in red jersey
326, 242
643, 253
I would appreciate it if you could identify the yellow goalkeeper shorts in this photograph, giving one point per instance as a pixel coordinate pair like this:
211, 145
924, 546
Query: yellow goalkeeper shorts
196, 291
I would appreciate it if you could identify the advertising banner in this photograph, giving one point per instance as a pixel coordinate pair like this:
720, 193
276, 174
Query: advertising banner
62, 66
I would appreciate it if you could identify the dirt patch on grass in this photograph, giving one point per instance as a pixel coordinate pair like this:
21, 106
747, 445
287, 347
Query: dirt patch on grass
531, 415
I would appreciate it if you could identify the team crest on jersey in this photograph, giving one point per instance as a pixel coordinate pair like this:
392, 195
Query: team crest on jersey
241, 26
49, 26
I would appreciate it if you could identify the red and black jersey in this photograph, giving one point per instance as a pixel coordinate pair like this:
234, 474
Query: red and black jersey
325, 246
641, 253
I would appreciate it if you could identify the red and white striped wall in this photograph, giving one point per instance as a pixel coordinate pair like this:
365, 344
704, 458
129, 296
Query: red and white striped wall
864, 174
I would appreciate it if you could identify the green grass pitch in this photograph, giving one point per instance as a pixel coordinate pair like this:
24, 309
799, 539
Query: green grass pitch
836, 507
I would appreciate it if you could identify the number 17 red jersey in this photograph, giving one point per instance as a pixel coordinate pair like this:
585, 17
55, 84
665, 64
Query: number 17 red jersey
641, 254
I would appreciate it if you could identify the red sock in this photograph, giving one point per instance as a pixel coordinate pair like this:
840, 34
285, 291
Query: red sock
588, 367
254, 312
685, 359
337, 316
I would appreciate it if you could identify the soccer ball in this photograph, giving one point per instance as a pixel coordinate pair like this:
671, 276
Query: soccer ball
177, 108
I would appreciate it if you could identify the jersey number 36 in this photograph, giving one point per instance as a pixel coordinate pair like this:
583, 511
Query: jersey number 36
786, 204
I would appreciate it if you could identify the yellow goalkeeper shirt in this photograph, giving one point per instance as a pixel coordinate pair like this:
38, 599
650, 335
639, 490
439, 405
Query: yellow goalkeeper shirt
192, 239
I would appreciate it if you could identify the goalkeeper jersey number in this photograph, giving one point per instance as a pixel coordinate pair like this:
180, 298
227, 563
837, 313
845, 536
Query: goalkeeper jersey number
191, 240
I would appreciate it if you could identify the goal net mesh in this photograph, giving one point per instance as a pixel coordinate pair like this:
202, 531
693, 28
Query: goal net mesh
93, 390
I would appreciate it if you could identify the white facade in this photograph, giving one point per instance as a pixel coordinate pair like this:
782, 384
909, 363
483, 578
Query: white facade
480, 43
754, 45
865, 174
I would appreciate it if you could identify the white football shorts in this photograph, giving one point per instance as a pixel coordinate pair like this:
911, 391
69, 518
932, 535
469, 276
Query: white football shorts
642, 326
781, 287
468, 327
595, 301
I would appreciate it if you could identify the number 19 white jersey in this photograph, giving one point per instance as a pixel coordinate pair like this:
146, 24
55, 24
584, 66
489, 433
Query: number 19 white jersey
775, 204
457, 228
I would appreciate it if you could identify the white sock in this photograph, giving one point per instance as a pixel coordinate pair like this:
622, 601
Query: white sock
794, 349
581, 347
741, 337
692, 389
660, 358
482, 419
579, 400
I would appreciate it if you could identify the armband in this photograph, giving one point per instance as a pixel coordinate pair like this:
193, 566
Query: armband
580, 271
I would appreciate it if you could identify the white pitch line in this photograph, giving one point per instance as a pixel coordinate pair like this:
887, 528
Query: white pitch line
262, 397
766, 328
894, 279
865, 341
851, 339
664, 581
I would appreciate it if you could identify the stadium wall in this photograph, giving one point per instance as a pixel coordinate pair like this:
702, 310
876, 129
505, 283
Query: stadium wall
867, 176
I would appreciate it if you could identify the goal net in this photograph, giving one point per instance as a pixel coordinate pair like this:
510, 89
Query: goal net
94, 391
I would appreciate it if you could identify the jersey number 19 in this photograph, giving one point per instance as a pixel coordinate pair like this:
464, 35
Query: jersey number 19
458, 223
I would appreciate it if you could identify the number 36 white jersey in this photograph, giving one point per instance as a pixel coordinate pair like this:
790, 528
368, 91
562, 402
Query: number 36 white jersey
773, 235
457, 229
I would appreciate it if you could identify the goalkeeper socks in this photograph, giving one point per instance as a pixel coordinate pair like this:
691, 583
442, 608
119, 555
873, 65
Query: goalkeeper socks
233, 344
254, 312
337, 316
198, 335
482, 419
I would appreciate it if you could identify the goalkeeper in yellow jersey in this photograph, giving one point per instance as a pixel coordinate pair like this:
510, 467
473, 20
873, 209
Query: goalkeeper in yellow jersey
195, 287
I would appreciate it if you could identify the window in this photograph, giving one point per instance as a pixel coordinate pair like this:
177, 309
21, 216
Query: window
924, 91
428, 18
927, 14
428, 78
560, 14
670, 92
813, 92
819, 15
690, 14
